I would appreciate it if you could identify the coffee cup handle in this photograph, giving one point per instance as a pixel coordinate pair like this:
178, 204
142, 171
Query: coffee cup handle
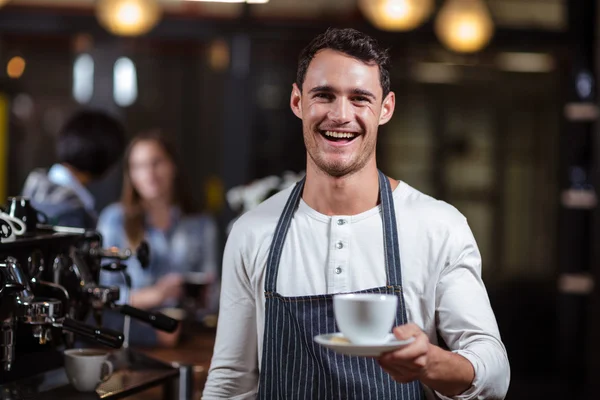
109, 367
18, 226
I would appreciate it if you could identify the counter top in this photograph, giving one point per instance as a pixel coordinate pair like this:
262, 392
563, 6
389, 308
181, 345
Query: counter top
195, 350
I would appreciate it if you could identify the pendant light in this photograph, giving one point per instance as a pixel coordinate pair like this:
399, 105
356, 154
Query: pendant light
464, 26
396, 15
128, 17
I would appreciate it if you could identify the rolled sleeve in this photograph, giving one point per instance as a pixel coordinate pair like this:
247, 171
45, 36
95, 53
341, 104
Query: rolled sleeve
479, 390
233, 371
467, 322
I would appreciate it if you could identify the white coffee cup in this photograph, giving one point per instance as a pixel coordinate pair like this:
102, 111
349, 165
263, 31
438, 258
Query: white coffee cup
85, 368
365, 318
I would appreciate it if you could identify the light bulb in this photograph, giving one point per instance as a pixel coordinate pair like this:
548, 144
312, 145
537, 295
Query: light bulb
464, 26
128, 14
15, 67
128, 17
396, 15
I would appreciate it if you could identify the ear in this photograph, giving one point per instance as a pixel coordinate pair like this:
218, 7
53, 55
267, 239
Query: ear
296, 101
387, 108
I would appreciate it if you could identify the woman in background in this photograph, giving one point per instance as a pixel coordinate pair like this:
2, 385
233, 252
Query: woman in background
155, 207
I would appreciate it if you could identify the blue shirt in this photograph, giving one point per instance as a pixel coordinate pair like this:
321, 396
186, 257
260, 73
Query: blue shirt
58, 194
189, 245
60, 175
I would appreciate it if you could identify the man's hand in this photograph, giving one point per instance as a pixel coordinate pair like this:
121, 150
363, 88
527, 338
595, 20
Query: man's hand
408, 363
448, 373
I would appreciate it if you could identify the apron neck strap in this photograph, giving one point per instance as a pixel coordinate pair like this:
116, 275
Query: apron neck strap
390, 234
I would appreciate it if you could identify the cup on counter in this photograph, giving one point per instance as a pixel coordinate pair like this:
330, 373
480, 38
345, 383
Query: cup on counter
195, 291
195, 283
87, 368
365, 318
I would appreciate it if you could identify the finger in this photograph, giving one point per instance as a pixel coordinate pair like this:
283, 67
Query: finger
401, 367
400, 375
406, 331
420, 362
409, 352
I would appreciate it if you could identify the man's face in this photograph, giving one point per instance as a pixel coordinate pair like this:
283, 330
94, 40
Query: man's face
341, 108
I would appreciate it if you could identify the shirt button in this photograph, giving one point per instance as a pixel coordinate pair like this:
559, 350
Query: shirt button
338, 270
341, 221
339, 245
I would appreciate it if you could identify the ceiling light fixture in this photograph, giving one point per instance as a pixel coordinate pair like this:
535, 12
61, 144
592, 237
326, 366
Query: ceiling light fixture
396, 15
464, 26
128, 17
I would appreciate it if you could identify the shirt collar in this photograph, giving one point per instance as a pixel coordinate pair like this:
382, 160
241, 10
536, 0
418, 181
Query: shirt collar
60, 175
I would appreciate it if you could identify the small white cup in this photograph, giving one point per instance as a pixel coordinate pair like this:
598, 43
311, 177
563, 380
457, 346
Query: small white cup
365, 318
85, 367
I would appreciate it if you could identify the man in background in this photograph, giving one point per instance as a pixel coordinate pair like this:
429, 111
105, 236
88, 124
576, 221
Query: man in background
88, 145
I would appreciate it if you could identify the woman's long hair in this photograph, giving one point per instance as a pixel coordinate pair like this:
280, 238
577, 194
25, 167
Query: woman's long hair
131, 199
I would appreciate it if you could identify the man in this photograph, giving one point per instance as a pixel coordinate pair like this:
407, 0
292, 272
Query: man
345, 229
88, 145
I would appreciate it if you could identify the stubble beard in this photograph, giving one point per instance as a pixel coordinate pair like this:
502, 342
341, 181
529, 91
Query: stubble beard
338, 169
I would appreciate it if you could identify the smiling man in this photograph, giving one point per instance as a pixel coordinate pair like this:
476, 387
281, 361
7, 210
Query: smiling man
349, 228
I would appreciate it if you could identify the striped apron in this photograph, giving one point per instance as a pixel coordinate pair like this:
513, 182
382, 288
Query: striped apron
293, 365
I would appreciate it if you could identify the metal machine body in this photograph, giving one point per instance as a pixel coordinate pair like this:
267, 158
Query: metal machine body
48, 288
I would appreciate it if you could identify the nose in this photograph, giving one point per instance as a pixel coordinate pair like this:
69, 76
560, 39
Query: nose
341, 111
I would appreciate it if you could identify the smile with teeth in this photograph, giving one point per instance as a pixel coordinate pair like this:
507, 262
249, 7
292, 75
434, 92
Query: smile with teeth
339, 135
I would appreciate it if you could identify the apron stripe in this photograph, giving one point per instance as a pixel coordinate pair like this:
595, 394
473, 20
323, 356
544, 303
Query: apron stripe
295, 353
275, 337
330, 328
292, 322
315, 359
352, 384
280, 234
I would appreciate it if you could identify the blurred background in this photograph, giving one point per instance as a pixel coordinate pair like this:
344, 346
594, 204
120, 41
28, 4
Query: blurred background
496, 114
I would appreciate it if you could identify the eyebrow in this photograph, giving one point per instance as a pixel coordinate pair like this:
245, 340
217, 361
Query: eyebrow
322, 88
328, 88
363, 92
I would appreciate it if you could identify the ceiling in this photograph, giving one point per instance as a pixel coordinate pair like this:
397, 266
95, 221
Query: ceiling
538, 14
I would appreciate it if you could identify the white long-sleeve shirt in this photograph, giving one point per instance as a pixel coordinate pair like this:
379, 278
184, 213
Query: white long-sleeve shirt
441, 275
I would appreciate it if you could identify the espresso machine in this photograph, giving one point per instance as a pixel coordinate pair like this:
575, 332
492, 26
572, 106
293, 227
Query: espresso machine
49, 293
79, 273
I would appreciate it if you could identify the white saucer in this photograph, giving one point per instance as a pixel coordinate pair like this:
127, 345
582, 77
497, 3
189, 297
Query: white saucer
338, 343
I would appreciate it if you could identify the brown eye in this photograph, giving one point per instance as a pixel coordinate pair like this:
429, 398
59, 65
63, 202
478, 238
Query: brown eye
325, 96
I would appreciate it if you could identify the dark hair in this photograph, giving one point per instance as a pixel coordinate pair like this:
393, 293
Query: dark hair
130, 198
91, 141
351, 42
